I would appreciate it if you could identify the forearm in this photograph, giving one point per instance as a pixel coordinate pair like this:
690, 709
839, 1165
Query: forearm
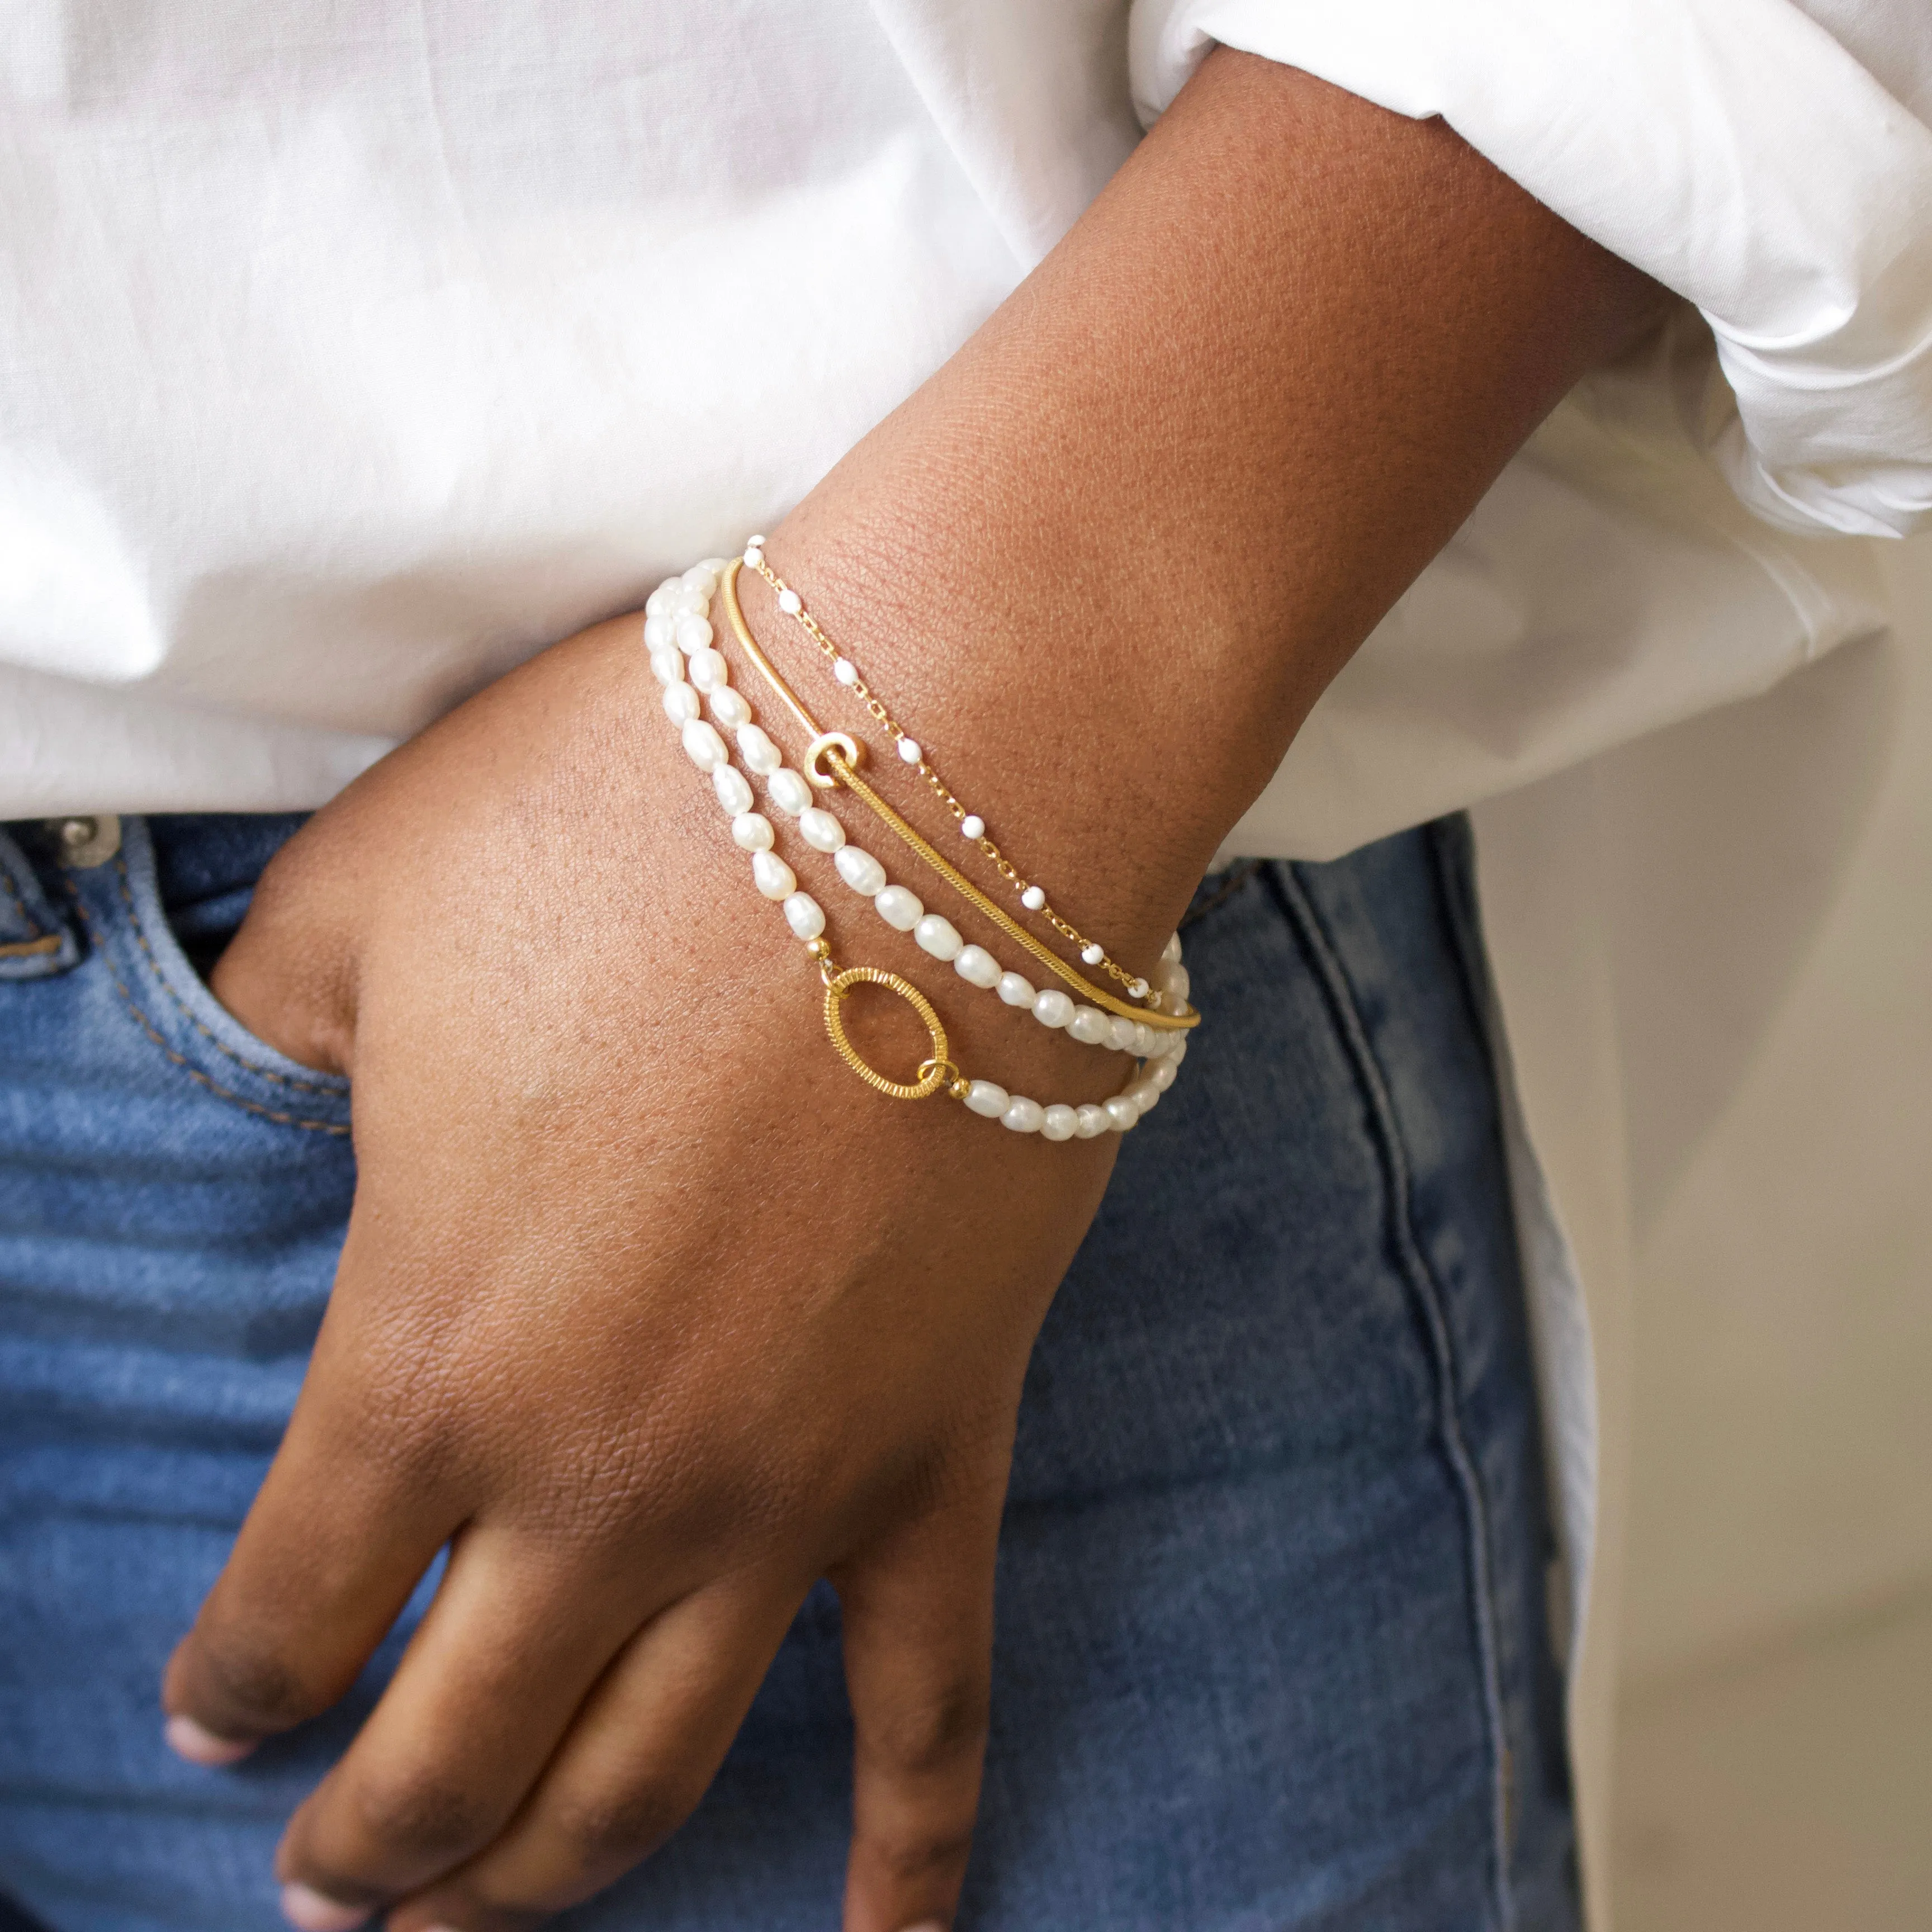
1108, 556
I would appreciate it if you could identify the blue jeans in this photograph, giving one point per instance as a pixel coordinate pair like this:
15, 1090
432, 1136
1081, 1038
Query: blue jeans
1272, 1650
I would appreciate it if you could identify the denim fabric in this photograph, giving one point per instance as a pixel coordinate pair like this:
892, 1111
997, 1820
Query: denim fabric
1271, 1649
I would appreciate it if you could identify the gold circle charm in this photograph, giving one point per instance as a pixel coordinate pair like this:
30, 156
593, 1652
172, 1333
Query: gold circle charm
848, 749
933, 1073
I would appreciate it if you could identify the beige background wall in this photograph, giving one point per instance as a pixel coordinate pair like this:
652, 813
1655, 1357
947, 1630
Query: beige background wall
1775, 1736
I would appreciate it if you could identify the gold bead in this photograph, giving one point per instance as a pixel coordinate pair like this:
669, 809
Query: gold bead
818, 948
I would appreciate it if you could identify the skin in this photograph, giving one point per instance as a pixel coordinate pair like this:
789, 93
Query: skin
647, 1307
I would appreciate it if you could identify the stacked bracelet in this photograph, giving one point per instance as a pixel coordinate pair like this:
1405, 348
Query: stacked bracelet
696, 677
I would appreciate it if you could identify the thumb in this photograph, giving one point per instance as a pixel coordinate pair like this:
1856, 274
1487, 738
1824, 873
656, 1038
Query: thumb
918, 1612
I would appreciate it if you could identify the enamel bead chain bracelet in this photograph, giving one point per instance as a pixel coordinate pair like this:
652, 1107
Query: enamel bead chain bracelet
694, 674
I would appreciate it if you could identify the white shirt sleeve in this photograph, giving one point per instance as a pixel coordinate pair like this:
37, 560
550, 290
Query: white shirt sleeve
1735, 150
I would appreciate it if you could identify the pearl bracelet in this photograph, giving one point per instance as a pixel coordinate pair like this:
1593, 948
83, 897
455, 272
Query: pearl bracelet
1032, 895
677, 629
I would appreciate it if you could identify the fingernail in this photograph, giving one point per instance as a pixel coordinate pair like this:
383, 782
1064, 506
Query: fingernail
303, 1905
187, 1739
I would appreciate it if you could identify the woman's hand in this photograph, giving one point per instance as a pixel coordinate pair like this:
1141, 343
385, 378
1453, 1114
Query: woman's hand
647, 1305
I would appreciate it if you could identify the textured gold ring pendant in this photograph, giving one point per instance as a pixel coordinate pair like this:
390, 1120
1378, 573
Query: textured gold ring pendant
934, 1073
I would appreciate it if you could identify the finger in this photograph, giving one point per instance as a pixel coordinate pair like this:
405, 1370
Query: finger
507, 1653
342, 1530
642, 1753
918, 1642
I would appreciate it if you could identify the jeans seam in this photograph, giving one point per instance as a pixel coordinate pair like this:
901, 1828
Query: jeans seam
181, 1059
1427, 1292
181, 1005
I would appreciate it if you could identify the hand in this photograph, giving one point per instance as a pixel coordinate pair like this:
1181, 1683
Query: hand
648, 1307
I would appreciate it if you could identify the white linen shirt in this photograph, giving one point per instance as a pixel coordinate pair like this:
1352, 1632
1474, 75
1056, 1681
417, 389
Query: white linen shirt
349, 354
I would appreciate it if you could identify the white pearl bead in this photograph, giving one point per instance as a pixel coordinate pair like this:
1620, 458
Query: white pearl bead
909, 751
709, 671
668, 665
844, 670
1170, 953
790, 602
973, 827
1032, 898
1060, 1124
681, 703
1146, 1040
977, 967
899, 906
1175, 980
658, 601
1161, 1073
1052, 1008
860, 870
1120, 1032
752, 831
821, 831
939, 936
660, 632
1143, 1094
704, 576
733, 789
985, 1096
1093, 955
1093, 1120
1088, 1025
730, 708
1178, 1052
703, 746
772, 876
757, 751
694, 633
687, 600
804, 915
1015, 990
789, 791
1023, 1116
1122, 1113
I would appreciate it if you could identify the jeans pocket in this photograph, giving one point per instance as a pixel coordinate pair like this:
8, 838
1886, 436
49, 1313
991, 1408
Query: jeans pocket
118, 905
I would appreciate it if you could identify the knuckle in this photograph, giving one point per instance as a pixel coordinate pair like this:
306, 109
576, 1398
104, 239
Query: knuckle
910, 1736
616, 1827
910, 1857
244, 1683
421, 1813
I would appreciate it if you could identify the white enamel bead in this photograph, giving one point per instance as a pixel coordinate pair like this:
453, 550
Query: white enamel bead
660, 631
752, 831
703, 746
681, 703
804, 916
1121, 1032
1015, 990
899, 907
1023, 1116
755, 542
709, 671
757, 751
694, 633
977, 967
859, 870
1060, 1124
1032, 898
1161, 1074
790, 602
789, 791
754, 555
938, 935
733, 789
1052, 1008
1093, 1120
1170, 953
844, 670
730, 709
984, 1097
909, 751
1122, 1113
1088, 1025
1139, 988
668, 665
821, 831
772, 876
1093, 955
972, 827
